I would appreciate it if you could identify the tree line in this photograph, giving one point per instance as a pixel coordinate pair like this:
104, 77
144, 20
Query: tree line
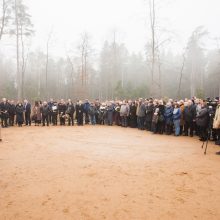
113, 72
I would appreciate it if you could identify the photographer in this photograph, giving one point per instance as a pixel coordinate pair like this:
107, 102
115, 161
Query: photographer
202, 121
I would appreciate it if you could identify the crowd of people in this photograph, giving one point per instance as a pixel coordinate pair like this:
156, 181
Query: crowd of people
187, 117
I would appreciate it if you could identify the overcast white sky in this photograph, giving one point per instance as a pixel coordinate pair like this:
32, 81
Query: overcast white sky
69, 18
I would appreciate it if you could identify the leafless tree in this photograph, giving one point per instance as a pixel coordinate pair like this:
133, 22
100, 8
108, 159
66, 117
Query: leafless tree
47, 60
5, 16
23, 28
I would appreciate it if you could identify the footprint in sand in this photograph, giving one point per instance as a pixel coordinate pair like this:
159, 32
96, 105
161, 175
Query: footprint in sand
66, 210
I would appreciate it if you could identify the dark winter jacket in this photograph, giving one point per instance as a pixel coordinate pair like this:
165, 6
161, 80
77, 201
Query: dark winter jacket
189, 113
4, 107
19, 114
92, 110
176, 114
149, 112
202, 119
141, 110
70, 109
79, 111
61, 109
27, 108
45, 110
12, 109
86, 106
168, 114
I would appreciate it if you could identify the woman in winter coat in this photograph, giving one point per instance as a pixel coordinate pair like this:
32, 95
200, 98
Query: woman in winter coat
168, 114
176, 119
161, 120
36, 111
19, 114
110, 111
216, 124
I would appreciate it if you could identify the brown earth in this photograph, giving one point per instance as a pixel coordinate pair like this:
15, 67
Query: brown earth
95, 173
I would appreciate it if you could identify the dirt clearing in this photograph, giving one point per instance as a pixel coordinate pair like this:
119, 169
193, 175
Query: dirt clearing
100, 172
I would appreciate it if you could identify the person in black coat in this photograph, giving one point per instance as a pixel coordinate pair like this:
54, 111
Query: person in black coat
27, 112
4, 107
79, 113
97, 105
202, 121
70, 112
54, 113
50, 105
62, 112
149, 115
161, 119
132, 115
189, 115
19, 114
45, 113
11, 112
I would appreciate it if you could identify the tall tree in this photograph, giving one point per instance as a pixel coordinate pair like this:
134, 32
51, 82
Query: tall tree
23, 29
5, 16
47, 61
196, 60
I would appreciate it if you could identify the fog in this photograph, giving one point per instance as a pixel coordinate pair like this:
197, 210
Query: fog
109, 49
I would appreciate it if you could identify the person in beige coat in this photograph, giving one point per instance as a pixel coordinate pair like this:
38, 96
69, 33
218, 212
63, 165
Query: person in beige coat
216, 124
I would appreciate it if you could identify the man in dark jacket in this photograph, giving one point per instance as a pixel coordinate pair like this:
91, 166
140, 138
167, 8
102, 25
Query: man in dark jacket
62, 111
4, 107
202, 121
11, 112
27, 112
149, 115
50, 105
189, 115
79, 112
140, 114
86, 107
168, 115
70, 112
92, 112
45, 113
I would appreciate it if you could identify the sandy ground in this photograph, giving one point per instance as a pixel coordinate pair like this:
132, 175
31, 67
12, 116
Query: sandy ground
93, 173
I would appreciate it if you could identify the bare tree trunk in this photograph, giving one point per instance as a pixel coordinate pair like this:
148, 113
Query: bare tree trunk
4, 8
24, 62
46, 71
160, 75
181, 76
152, 25
71, 75
192, 86
18, 57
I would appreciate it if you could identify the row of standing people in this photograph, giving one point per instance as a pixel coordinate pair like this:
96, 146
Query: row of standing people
179, 117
